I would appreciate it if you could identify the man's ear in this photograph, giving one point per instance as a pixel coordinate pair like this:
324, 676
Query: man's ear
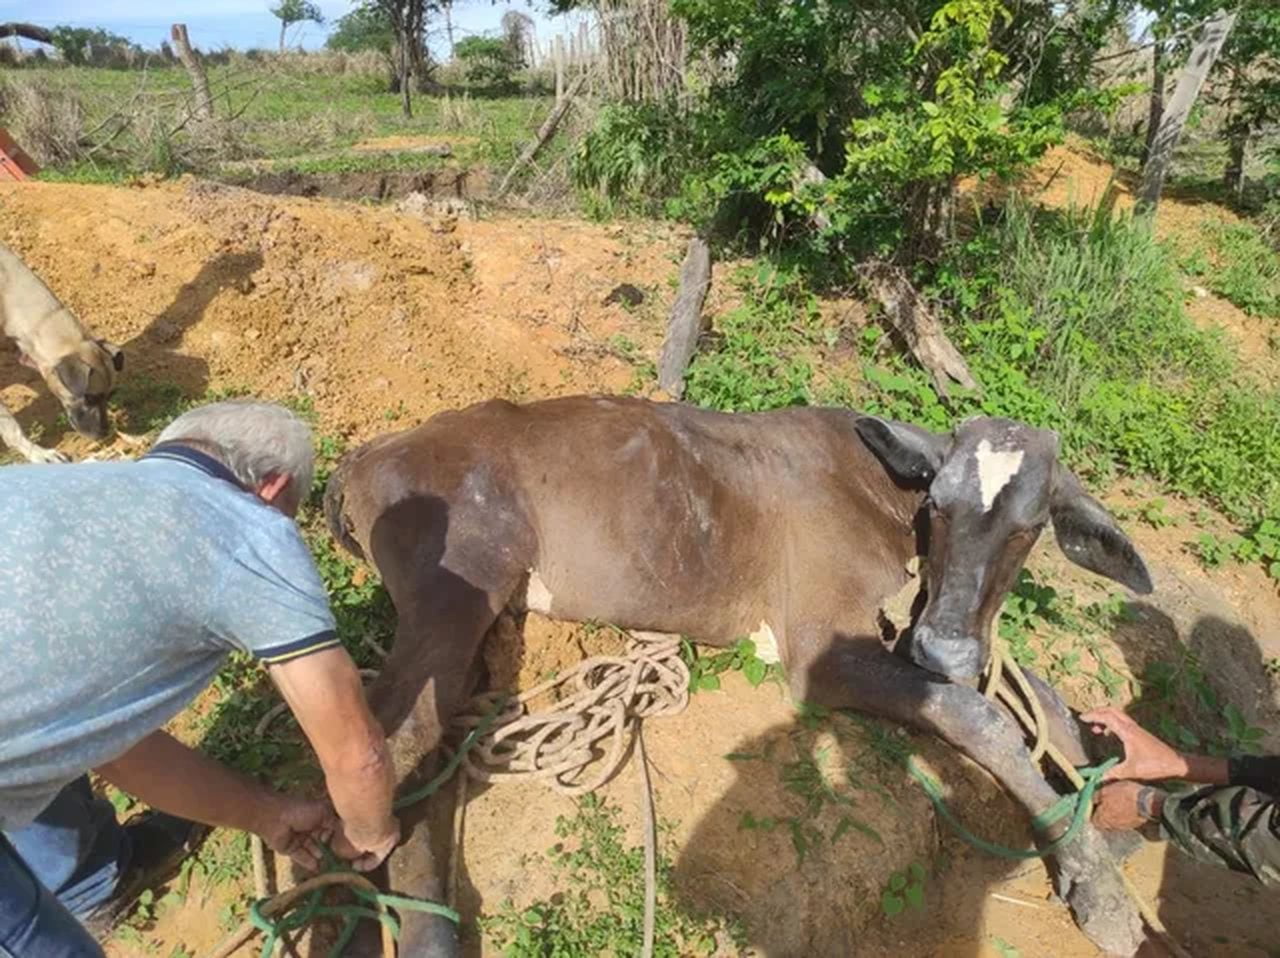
909, 452
273, 488
73, 373
1089, 536
115, 352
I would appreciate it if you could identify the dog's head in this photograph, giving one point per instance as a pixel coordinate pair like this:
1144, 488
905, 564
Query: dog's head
83, 381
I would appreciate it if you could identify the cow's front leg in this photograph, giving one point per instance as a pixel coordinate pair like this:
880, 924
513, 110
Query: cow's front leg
857, 673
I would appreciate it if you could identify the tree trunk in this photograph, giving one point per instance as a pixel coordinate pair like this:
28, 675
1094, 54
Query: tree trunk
1233, 176
406, 103
283, 26
448, 27
930, 220
1209, 41
1156, 112
28, 31
195, 70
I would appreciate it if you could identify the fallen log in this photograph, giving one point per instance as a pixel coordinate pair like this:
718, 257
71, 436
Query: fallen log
545, 132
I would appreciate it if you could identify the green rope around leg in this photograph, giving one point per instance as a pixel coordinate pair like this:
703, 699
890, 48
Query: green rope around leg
308, 909
1076, 804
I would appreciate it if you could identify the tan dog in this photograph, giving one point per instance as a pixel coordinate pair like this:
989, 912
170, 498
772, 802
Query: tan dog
79, 370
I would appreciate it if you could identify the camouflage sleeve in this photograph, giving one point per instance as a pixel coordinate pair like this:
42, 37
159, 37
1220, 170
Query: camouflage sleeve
1231, 825
1256, 771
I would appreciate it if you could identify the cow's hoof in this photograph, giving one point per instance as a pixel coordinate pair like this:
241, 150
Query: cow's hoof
427, 936
1091, 885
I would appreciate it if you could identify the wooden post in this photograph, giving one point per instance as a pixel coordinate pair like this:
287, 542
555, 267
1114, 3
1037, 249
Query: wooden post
685, 323
195, 69
559, 54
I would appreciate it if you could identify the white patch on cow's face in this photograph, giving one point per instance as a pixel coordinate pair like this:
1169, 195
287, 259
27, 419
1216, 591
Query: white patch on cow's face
537, 597
766, 644
995, 469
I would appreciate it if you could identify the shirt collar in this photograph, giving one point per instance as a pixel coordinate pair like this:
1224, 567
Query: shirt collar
177, 452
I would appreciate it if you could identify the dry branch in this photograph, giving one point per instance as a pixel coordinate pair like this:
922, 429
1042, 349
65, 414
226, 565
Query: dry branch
685, 324
545, 132
28, 31
911, 316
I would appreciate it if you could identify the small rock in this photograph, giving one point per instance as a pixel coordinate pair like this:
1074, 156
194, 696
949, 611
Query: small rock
626, 294
251, 334
1200, 292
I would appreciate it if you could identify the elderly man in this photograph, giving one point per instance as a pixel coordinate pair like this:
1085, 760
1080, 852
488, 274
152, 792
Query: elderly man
123, 587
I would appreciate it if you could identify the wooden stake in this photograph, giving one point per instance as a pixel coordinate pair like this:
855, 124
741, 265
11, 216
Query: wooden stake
195, 69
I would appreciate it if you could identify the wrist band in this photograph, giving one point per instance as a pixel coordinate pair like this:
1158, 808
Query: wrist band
1147, 801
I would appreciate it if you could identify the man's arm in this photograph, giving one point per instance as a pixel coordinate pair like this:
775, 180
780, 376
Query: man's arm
167, 775
323, 690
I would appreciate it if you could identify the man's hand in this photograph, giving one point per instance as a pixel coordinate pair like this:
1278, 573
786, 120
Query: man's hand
365, 852
1146, 758
1126, 805
297, 828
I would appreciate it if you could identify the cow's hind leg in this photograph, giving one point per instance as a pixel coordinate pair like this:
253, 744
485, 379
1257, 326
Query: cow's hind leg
859, 674
448, 584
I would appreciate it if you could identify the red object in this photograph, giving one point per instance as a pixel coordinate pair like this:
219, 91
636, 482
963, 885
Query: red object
14, 162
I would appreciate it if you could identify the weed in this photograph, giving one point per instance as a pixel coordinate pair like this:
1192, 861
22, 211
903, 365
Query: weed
1239, 266
598, 910
1006, 950
705, 668
1153, 514
1260, 544
903, 890
1183, 708
1028, 604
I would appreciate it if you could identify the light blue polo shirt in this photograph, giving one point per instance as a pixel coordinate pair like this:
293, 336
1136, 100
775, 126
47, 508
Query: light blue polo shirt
123, 587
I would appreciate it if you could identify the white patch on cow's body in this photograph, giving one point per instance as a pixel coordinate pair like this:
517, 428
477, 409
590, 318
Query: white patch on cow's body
537, 597
766, 644
995, 468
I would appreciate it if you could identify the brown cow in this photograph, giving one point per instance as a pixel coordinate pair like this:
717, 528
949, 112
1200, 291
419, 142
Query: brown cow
793, 525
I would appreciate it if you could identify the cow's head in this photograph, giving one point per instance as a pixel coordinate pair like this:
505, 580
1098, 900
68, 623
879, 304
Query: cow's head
992, 486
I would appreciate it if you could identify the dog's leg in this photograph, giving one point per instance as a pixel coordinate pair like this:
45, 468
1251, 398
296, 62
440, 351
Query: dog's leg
17, 440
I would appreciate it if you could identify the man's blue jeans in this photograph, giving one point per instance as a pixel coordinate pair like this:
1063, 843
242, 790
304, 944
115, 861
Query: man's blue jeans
65, 863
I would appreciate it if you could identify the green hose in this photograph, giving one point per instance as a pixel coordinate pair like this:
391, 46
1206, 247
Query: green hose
1076, 804
304, 912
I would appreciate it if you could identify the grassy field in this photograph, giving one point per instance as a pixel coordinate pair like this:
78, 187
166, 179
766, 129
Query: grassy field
272, 114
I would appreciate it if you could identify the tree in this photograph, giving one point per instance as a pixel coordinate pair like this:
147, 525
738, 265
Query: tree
289, 12
1249, 71
1212, 35
408, 24
367, 27
490, 61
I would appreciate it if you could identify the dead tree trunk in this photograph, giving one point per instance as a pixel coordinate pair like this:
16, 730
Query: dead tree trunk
545, 132
1209, 41
685, 324
909, 314
195, 69
1155, 111
28, 31
406, 100
1233, 175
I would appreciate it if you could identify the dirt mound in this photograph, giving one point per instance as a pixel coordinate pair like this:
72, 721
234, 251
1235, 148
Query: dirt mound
456, 183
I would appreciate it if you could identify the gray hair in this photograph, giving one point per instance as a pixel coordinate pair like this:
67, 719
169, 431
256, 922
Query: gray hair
254, 440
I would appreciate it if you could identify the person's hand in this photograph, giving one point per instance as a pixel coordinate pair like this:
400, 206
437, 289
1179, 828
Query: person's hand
1126, 805
365, 849
1146, 758
298, 828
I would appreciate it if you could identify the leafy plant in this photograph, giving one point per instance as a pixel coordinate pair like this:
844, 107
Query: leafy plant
705, 668
903, 890
490, 61
598, 909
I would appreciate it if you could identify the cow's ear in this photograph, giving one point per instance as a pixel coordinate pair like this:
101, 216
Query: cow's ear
912, 454
1089, 536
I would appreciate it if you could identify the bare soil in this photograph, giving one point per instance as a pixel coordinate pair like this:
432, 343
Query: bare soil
382, 320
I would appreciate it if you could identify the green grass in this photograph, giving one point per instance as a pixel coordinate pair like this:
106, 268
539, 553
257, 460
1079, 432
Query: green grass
598, 908
1237, 263
296, 120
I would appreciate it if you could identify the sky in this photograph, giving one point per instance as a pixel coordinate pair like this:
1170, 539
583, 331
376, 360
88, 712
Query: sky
212, 24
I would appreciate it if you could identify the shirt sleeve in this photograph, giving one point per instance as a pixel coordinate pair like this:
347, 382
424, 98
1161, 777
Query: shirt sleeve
272, 603
1231, 825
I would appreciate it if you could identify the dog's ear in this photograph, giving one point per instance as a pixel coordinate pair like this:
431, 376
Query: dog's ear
115, 352
73, 373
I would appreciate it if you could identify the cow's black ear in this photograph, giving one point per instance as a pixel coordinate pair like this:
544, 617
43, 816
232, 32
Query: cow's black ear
1089, 536
909, 452
115, 352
